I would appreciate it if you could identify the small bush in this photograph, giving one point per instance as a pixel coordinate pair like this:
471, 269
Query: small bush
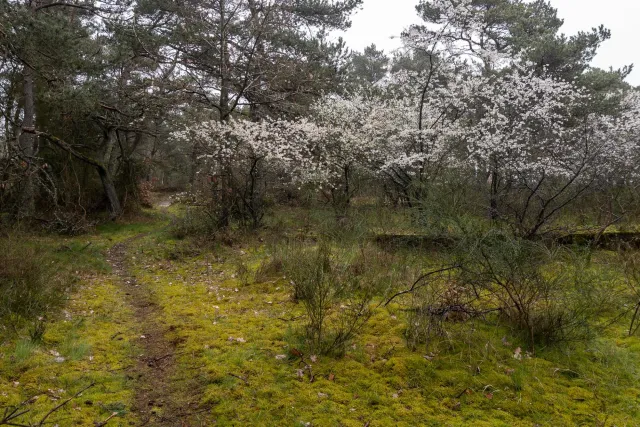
337, 303
442, 301
545, 293
269, 269
242, 272
353, 229
196, 221
29, 287
631, 264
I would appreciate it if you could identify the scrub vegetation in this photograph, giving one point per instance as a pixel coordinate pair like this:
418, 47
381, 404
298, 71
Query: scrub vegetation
281, 326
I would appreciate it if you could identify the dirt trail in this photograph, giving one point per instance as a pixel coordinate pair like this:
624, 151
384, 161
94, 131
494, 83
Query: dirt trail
158, 402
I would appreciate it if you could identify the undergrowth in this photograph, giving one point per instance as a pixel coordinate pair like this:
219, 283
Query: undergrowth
237, 315
85, 330
31, 287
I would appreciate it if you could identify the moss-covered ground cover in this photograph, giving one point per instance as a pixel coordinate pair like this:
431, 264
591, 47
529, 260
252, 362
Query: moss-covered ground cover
89, 344
239, 354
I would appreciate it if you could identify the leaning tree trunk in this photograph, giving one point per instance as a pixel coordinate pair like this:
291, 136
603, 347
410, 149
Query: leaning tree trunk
115, 209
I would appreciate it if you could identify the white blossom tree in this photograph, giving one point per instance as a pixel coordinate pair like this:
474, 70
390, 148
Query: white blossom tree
237, 156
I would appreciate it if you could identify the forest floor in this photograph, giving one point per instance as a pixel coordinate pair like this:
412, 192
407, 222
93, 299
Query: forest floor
162, 331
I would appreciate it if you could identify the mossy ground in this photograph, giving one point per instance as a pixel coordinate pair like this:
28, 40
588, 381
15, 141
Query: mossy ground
231, 331
89, 342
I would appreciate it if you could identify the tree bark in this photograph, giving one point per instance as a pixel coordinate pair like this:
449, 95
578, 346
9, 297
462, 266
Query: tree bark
115, 209
225, 65
110, 139
27, 144
493, 190
106, 174
226, 196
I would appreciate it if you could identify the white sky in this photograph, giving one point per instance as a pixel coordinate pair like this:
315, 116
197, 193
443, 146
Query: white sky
380, 20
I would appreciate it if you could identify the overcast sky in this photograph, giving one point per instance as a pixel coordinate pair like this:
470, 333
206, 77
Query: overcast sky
380, 20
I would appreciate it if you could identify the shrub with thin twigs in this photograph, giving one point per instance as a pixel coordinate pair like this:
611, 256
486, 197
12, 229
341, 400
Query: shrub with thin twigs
441, 301
337, 302
549, 300
631, 264
29, 287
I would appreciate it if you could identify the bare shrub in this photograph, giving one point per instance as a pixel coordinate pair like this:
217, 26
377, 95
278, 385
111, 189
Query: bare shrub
435, 305
543, 292
631, 264
196, 221
242, 272
29, 287
269, 269
337, 303
69, 223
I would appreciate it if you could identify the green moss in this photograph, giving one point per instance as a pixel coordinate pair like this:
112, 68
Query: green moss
378, 380
235, 337
88, 342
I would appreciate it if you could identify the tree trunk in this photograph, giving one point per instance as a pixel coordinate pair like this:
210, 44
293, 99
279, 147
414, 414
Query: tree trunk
10, 129
106, 171
27, 145
225, 66
110, 140
226, 196
493, 190
115, 210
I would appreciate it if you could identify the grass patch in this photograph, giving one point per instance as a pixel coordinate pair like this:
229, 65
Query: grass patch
88, 338
23, 350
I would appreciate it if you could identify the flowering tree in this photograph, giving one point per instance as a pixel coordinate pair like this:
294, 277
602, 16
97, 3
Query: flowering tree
234, 164
371, 135
473, 107
489, 111
342, 147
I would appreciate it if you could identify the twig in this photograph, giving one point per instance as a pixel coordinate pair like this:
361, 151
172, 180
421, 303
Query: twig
153, 361
9, 423
416, 284
41, 423
12, 413
157, 359
239, 377
463, 392
6, 420
104, 423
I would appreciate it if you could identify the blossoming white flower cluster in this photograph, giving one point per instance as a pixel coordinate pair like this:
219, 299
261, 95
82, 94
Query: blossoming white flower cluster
520, 121
451, 115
